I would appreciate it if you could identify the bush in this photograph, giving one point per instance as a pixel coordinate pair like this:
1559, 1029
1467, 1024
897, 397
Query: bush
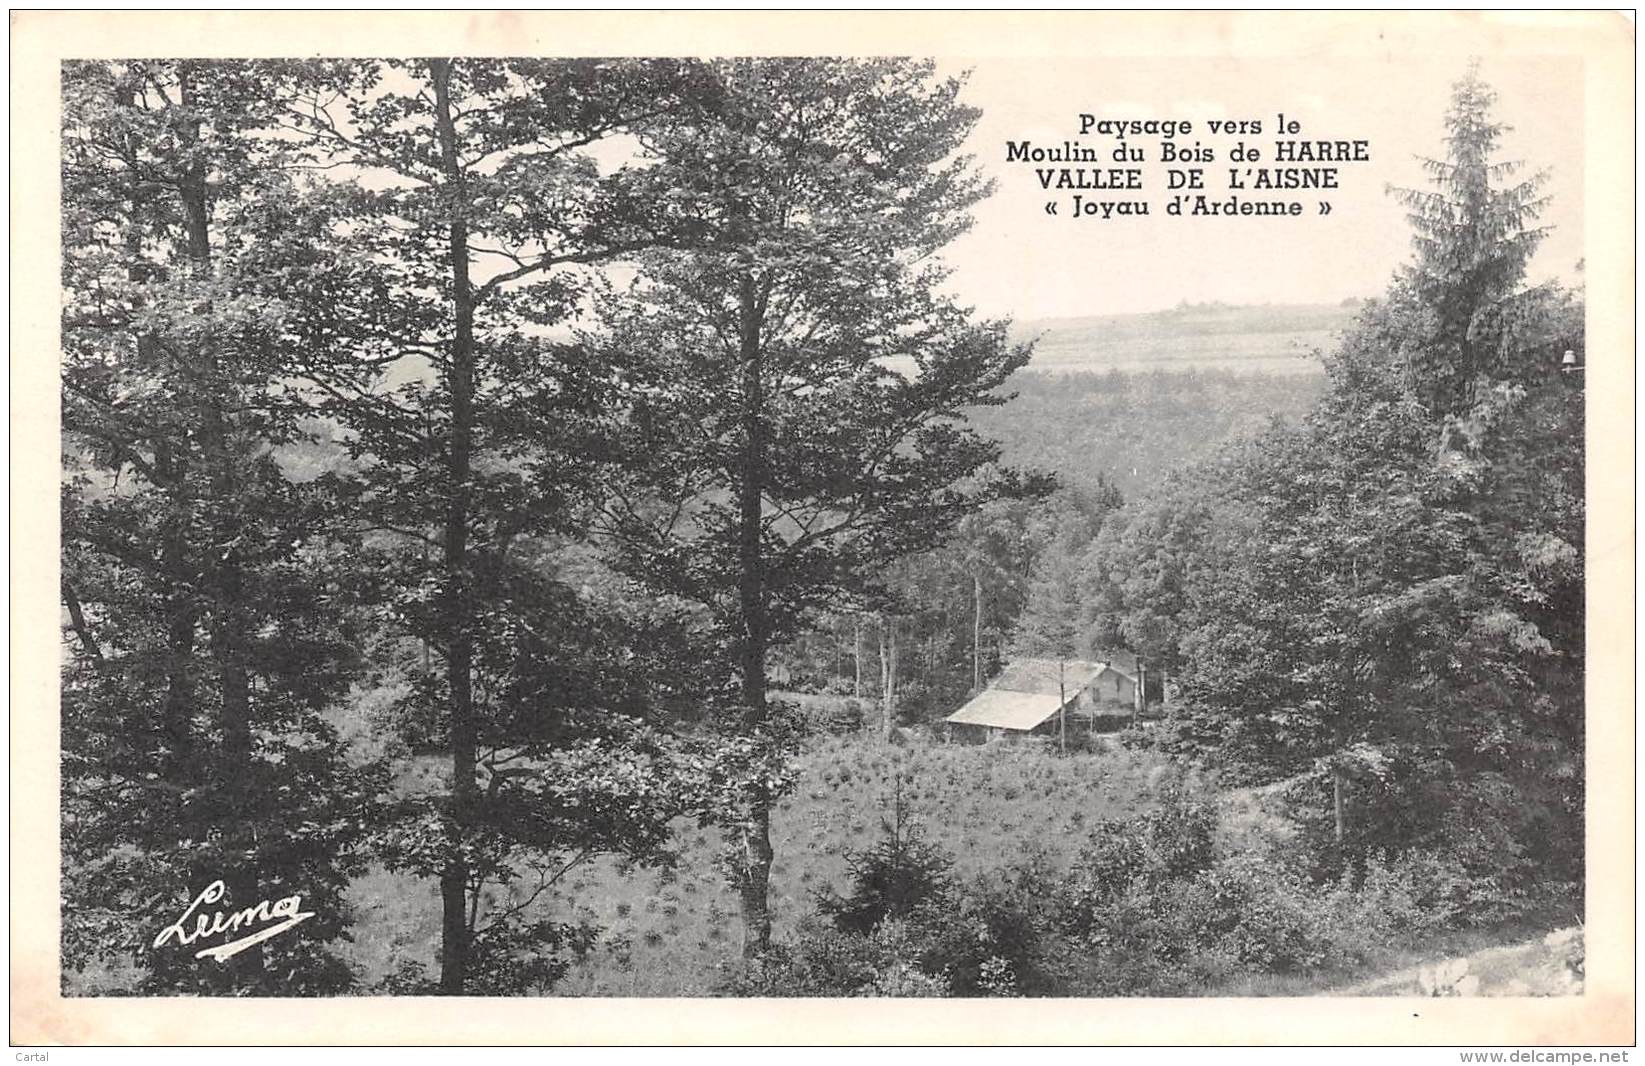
823, 960
1156, 911
890, 879
993, 936
1474, 851
824, 714
1147, 908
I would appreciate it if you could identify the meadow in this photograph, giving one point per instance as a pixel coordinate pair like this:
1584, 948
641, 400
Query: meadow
674, 930
1270, 339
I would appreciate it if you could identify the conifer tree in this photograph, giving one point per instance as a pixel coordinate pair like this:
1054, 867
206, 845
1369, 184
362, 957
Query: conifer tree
1474, 232
1391, 593
479, 198
788, 406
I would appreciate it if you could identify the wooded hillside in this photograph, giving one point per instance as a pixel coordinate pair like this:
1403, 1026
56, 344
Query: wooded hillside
450, 513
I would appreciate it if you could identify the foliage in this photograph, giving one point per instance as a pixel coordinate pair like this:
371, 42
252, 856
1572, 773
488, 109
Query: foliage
900, 873
1386, 599
786, 391
906, 927
1474, 235
1151, 905
670, 928
212, 602
479, 203
343, 486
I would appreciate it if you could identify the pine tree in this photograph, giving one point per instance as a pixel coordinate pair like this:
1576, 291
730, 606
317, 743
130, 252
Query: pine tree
1474, 235
788, 411
480, 202
1390, 594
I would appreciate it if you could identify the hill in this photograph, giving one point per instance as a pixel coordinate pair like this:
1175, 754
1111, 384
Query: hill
1271, 338
673, 930
1132, 428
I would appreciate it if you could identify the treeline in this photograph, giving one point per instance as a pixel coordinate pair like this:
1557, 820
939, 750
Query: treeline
956, 613
1131, 429
948, 618
365, 454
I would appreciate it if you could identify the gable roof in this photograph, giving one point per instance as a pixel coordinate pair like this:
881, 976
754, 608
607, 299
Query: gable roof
1027, 691
1041, 676
1123, 662
1003, 709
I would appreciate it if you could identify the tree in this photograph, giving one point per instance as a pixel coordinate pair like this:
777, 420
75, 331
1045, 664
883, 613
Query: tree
787, 410
889, 880
479, 199
1050, 624
996, 549
1388, 594
956, 605
1473, 237
1055, 616
1138, 575
209, 594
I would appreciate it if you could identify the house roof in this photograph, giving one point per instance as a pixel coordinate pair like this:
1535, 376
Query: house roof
1027, 692
1004, 709
1123, 662
1041, 676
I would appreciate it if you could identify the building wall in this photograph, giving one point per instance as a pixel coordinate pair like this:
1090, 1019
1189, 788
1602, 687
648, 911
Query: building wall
1111, 687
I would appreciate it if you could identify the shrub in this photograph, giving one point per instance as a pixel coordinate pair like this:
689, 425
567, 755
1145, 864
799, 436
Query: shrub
819, 961
890, 879
992, 936
1148, 907
1157, 912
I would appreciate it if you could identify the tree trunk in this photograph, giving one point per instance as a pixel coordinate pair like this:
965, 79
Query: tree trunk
1336, 803
888, 676
77, 619
455, 935
177, 713
856, 655
1062, 710
1139, 697
222, 567
755, 876
976, 633
171, 469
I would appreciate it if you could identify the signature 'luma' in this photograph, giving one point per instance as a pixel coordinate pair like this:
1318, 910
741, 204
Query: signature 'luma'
285, 913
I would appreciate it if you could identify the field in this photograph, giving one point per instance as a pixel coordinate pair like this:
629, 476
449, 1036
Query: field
675, 930
1271, 339
670, 931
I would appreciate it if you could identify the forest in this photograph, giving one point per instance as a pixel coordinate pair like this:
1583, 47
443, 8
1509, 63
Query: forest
538, 513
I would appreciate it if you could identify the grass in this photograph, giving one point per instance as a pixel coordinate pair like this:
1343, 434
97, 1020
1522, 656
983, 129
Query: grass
670, 932
673, 931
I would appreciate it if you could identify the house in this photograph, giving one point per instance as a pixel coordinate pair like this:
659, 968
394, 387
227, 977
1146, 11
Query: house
1027, 695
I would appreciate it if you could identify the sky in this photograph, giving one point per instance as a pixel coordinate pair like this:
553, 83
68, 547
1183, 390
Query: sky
1021, 263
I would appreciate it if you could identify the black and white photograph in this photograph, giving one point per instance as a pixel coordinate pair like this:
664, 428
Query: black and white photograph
561, 520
